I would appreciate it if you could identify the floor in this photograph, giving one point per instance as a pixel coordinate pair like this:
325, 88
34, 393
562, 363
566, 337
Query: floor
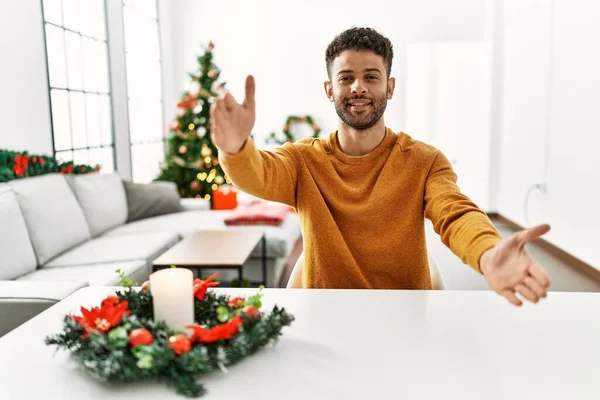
458, 276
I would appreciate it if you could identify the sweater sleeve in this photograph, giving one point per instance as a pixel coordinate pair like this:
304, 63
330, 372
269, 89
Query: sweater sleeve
271, 175
462, 226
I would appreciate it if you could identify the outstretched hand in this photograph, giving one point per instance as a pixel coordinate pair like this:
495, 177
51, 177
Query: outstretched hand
232, 122
509, 269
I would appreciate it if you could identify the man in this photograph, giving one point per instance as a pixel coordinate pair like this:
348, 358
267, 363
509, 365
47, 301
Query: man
362, 193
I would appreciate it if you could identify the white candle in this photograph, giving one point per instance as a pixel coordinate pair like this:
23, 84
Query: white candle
173, 297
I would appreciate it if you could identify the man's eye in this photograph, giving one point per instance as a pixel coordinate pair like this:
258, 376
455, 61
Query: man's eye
372, 77
345, 78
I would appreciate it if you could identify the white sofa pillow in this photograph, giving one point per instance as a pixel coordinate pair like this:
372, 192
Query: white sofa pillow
103, 200
54, 218
16, 254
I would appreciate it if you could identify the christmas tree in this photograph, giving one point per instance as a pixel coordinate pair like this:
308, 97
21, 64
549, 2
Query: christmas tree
191, 160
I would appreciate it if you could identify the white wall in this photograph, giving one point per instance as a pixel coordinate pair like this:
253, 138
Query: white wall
448, 94
24, 97
551, 119
283, 44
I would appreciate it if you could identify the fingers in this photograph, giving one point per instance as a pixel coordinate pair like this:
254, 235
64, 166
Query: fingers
533, 285
250, 89
526, 292
530, 234
229, 102
510, 296
217, 115
540, 275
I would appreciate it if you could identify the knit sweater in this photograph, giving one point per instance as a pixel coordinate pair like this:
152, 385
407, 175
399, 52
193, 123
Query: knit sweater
362, 217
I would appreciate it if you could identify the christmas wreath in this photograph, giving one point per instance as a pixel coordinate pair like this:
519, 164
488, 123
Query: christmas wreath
120, 341
287, 132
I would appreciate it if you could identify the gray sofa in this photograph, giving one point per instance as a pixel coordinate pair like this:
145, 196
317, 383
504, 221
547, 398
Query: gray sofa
61, 233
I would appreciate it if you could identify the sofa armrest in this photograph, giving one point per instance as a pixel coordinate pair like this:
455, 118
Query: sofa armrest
193, 204
21, 301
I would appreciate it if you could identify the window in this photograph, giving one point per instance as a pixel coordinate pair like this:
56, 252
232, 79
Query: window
80, 99
144, 90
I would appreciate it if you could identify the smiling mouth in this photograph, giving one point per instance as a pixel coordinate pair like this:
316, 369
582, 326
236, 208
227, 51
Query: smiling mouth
359, 105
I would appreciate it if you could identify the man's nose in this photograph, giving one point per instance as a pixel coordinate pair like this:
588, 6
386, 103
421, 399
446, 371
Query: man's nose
358, 87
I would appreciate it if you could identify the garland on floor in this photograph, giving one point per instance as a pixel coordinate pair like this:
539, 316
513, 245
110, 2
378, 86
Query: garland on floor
15, 165
120, 342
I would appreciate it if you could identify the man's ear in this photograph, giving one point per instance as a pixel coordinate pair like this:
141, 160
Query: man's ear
328, 90
390, 88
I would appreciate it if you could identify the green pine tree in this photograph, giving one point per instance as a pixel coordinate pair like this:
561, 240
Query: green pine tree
191, 160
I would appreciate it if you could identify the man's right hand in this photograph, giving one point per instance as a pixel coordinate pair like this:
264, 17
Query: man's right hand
231, 122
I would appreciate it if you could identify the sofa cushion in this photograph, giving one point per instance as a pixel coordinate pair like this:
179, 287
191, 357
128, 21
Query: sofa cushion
16, 253
143, 246
52, 290
102, 199
101, 274
54, 219
280, 239
145, 200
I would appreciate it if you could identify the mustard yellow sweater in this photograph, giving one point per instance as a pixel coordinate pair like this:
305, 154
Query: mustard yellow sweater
363, 217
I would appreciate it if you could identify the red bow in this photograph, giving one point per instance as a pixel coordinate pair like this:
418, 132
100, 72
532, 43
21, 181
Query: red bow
200, 286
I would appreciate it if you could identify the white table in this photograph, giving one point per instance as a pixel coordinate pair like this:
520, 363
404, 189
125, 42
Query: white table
360, 344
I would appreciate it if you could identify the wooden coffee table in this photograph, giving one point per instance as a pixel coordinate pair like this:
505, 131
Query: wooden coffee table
221, 249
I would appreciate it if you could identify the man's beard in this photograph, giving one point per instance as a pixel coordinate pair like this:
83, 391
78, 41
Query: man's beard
365, 119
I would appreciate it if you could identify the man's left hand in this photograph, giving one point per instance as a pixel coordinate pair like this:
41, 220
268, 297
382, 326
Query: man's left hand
509, 269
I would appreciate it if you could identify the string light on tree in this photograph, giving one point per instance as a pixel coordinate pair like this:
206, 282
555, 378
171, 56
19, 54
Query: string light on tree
206, 151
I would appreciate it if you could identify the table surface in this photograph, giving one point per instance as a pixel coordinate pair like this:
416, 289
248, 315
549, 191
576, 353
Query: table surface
225, 248
347, 344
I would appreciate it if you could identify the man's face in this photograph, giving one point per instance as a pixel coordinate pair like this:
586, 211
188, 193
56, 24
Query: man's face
359, 88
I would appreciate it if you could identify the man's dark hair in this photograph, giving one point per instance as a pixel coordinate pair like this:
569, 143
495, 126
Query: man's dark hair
360, 39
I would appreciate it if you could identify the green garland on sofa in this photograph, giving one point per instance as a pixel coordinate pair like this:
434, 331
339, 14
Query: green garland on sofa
16, 165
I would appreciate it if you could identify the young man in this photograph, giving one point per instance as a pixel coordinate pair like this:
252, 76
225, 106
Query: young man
362, 193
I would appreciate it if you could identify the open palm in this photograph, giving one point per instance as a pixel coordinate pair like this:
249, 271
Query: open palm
232, 122
509, 269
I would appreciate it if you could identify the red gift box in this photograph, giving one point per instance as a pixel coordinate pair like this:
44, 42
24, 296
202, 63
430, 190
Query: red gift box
224, 199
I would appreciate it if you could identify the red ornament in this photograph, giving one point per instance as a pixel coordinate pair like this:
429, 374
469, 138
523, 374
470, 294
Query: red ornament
187, 102
145, 286
104, 318
200, 286
212, 73
140, 336
251, 311
220, 332
195, 185
180, 343
182, 149
42, 161
236, 302
34, 159
82, 169
110, 301
20, 165
67, 170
